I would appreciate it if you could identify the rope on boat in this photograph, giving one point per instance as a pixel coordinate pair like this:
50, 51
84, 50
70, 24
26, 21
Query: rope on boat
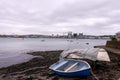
94, 75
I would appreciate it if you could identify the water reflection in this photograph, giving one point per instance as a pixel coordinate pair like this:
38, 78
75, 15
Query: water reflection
13, 50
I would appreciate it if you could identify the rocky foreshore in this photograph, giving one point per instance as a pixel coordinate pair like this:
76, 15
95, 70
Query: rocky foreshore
38, 69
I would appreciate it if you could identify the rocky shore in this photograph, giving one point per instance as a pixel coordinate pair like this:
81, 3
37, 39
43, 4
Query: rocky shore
38, 69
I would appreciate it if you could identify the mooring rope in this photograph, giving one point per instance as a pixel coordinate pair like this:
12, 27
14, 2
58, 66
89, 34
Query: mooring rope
94, 75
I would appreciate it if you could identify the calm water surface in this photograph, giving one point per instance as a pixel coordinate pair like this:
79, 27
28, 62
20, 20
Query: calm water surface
12, 50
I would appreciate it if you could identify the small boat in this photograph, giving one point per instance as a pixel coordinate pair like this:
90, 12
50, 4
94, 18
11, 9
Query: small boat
71, 68
87, 43
43, 40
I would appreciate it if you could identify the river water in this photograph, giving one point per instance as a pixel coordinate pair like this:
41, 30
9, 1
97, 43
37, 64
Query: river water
13, 50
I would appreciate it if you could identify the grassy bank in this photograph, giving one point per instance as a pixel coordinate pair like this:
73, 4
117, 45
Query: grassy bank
38, 69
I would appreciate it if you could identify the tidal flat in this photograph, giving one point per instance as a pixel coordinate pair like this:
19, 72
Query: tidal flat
38, 68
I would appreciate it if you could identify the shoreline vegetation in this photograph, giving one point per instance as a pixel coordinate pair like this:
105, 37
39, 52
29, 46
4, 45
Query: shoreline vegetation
38, 68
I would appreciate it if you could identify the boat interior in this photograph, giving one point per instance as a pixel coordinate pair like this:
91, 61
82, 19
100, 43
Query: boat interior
71, 66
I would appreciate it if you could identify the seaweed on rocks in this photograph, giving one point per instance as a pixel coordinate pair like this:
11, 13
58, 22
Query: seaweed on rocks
38, 69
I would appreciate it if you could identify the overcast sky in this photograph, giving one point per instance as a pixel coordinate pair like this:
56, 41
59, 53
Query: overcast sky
94, 17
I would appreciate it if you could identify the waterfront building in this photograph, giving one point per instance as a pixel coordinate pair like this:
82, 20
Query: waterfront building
75, 35
70, 35
117, 36
80, 36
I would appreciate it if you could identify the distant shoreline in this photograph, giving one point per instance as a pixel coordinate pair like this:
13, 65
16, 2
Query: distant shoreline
53, 38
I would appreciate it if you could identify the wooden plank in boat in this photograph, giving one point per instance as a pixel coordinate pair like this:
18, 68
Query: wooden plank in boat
69, 68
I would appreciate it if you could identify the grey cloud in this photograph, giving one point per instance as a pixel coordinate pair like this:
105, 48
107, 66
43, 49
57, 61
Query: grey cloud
52, 16
85, 10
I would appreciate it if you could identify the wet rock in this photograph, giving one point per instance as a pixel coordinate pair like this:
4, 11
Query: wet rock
29, 78
55, 78
51, 75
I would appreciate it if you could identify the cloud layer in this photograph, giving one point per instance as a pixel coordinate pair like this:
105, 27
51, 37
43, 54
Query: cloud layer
93, 17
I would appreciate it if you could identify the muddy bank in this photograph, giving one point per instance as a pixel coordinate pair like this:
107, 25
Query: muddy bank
38, 69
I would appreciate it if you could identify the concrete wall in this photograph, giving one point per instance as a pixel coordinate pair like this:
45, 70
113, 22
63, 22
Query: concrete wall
113, 44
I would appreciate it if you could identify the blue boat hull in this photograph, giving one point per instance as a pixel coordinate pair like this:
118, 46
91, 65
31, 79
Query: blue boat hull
74, 74
80, 68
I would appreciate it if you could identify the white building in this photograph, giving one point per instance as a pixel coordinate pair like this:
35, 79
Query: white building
69, 34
